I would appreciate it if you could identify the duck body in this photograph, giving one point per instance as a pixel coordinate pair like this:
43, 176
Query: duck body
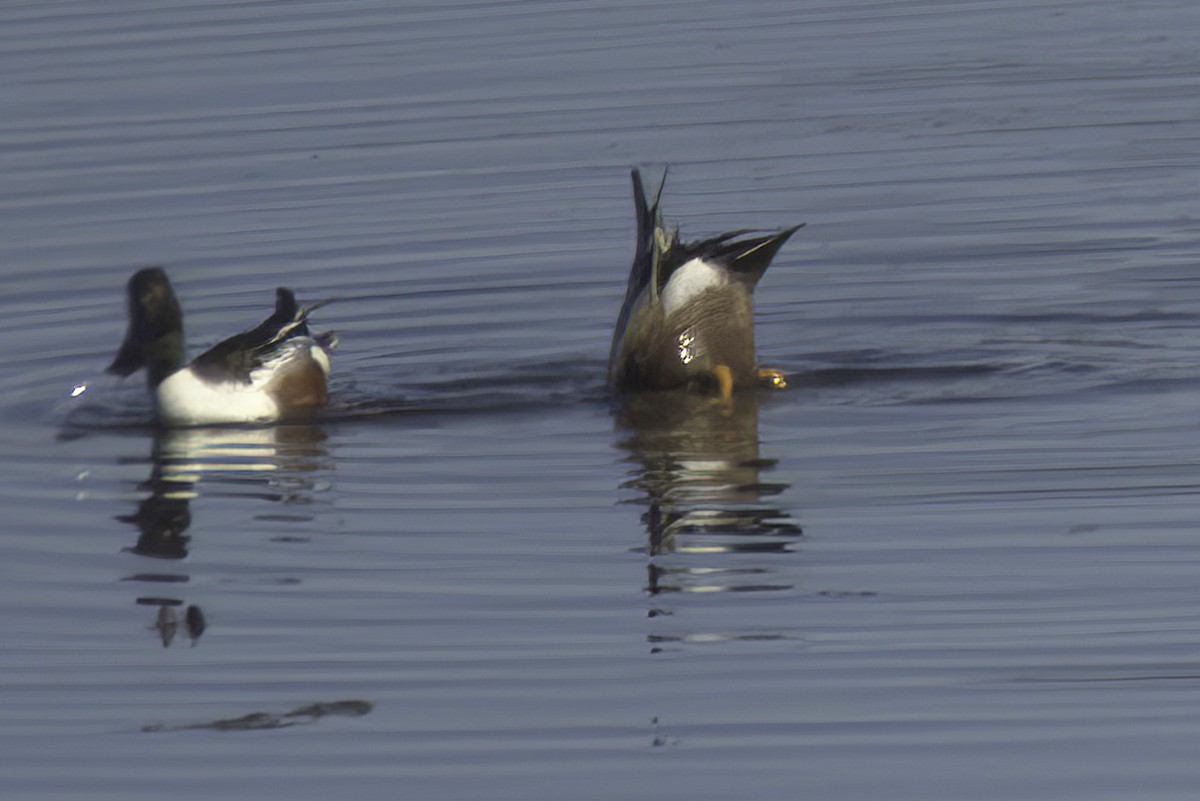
278, 370
688, 315
293, 385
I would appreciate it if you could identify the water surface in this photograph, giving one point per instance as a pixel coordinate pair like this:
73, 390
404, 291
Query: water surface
955, 559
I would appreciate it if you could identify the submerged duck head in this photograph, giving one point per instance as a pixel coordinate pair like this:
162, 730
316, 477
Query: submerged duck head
688, 316
154, 339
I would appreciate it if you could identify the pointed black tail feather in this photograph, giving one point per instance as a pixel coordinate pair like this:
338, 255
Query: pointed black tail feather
749, 258
285, 306
640, 272
642, 269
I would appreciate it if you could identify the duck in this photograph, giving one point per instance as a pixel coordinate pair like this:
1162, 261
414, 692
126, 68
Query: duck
687, 320
275, 371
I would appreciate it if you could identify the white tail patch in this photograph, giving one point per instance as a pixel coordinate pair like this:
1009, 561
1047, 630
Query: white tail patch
689, 280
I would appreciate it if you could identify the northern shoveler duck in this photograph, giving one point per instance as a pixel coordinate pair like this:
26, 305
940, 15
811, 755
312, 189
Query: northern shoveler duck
275, 371
688, 315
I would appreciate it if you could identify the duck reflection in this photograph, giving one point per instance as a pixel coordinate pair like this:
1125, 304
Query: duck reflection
699, 476
277, 462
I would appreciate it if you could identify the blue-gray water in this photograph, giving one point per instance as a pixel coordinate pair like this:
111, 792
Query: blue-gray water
958, 558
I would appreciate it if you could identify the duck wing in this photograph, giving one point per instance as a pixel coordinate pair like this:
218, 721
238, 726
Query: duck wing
234, 359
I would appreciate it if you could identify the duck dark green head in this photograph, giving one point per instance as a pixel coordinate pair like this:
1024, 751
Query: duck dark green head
154, 339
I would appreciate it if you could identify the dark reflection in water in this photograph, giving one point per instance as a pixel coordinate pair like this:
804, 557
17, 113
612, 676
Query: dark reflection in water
258, 721
276, 463
711, 519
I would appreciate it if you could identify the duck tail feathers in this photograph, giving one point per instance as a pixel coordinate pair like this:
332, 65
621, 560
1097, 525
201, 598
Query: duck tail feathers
751, 257
641, 269
289, 318
285, 306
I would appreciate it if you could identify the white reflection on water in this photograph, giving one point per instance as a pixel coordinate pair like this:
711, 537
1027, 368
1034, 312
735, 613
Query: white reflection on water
711, 524
275, 463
